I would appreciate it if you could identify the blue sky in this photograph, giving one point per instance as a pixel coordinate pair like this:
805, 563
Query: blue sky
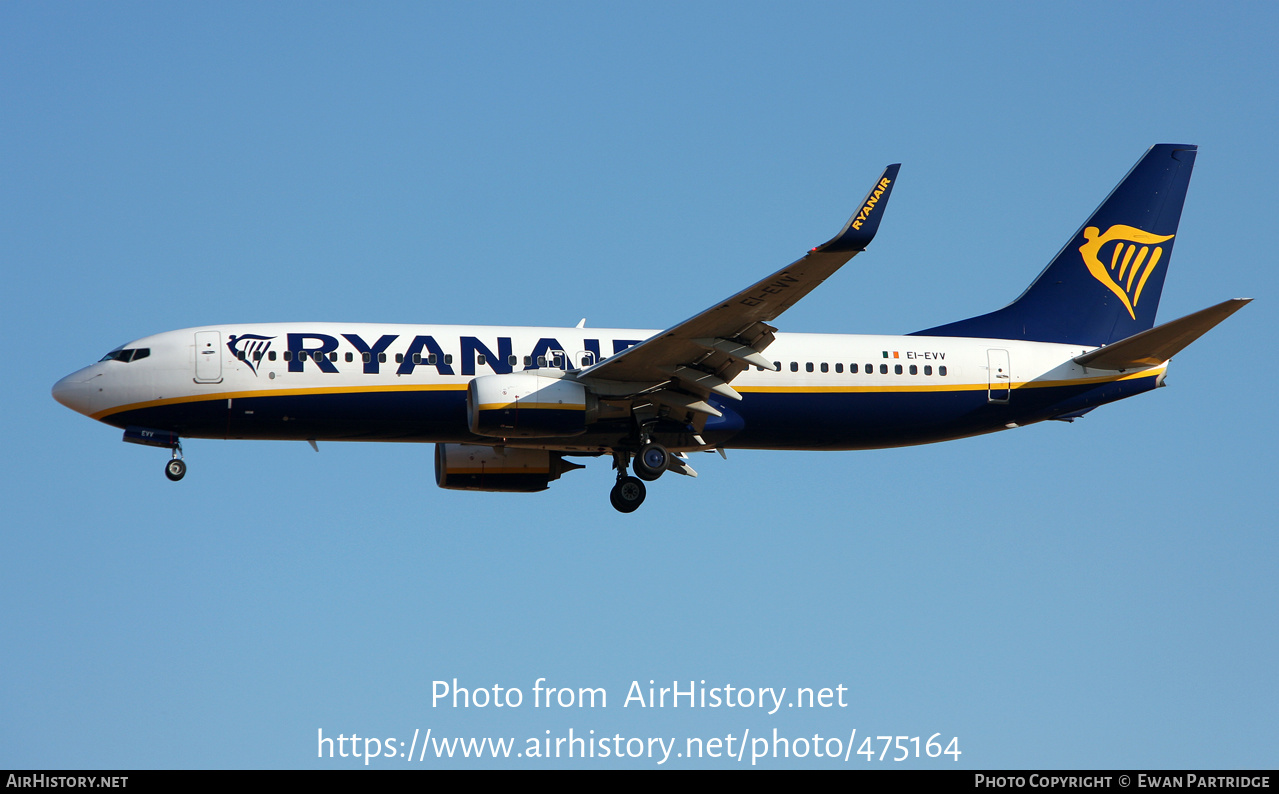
1100, 594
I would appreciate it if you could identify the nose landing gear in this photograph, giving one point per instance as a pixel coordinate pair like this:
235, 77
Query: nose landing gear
176, 468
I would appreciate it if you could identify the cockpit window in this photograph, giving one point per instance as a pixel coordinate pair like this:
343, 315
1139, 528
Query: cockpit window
125, 355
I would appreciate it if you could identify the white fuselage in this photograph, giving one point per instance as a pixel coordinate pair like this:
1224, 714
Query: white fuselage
352, 381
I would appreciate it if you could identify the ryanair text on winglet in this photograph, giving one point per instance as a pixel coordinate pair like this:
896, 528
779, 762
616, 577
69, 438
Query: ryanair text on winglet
871, 202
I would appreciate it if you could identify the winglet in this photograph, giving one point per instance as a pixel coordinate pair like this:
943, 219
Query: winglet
861, 228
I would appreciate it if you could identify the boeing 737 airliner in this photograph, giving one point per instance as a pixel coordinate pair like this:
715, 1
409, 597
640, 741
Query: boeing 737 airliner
507, 407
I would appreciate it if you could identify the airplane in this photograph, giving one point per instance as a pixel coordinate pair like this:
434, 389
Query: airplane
507, 407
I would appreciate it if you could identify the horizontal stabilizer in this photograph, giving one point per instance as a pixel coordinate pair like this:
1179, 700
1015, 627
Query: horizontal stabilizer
1161, 343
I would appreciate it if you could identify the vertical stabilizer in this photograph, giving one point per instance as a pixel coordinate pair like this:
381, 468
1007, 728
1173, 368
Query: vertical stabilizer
1105, 284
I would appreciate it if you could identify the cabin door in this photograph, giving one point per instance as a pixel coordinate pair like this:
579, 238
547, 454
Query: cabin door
208, 357
1001, 376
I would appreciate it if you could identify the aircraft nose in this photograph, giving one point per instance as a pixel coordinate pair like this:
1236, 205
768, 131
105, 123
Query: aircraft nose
74, 391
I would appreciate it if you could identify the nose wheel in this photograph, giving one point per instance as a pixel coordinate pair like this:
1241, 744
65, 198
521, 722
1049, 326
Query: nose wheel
176, 468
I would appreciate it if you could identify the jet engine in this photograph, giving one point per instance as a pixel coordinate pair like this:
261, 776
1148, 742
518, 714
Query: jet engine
465, 467
527, 405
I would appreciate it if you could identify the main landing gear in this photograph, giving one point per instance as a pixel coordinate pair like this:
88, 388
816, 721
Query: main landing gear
652, 461
629, 492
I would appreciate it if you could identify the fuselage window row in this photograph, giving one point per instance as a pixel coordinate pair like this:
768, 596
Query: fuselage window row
854, 369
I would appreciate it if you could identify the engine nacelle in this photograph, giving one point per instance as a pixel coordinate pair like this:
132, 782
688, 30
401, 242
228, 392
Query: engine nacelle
526, 405
463, 467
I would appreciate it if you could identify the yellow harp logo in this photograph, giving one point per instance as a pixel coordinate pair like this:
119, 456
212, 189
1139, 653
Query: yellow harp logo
1131, 253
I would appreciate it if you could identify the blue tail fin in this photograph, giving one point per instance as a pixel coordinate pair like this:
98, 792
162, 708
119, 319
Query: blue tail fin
1104, 285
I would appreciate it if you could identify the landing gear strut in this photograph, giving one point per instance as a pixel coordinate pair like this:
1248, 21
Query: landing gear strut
629, 492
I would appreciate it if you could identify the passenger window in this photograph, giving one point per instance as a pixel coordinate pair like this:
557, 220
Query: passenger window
431, 359
381, 357
257, 355
417, 358
928, 369
512, 360
839, 367
448, 358
883, 369
368, 357
528, 361
271, 356
777, 366
825, 367
479, 359
399, 358
914, 370
852, 368
541, 361
240, 354
333, 356
288, 355
794, 366
808, 367
941, 371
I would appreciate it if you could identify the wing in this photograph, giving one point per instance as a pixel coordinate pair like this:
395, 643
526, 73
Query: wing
683, 365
